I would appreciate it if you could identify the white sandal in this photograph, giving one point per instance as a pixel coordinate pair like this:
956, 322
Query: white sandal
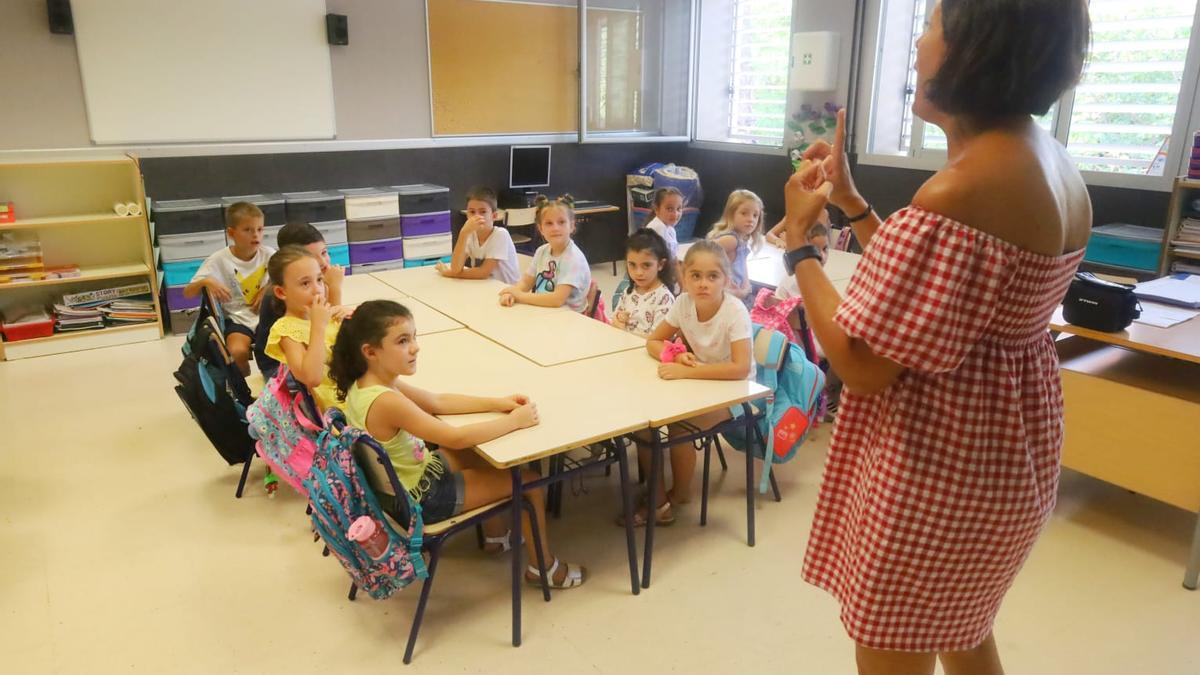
576, 575
505, 543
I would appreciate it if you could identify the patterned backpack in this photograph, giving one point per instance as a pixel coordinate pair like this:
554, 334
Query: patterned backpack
339, 494
791, 410
282, 421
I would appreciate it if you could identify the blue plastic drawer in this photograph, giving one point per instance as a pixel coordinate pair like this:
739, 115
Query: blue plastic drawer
340, 255
1125, 246
425, 262
181, 273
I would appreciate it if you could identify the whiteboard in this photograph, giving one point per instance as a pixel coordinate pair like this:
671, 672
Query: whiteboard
162, 71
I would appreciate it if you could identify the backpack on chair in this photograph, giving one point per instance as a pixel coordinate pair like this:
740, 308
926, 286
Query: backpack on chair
796, 384
285, 422
208, 394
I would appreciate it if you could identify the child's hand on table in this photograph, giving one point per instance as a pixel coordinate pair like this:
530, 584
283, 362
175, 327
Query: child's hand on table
525, 416
442, 268
621, 319
508, 296
510, 403
673, 371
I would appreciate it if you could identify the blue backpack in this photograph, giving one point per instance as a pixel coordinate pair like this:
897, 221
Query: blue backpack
796, 384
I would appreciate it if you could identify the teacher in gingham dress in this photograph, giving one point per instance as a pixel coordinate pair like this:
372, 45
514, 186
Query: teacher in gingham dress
944, 462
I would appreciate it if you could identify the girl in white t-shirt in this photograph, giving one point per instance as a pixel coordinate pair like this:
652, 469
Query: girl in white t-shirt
668, 211
559, 274
648, 298
717, 329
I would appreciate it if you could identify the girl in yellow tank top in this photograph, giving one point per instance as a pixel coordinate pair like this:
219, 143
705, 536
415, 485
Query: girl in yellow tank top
376, 346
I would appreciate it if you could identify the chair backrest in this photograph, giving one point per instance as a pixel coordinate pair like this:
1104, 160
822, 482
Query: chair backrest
204, 388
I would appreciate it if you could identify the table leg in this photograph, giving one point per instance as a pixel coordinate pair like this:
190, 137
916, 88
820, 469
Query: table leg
749, 414
1193, 566
516, 556
656, 469
627, 505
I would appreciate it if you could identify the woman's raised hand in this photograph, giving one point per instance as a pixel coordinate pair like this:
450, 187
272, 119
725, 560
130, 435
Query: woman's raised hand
836, 167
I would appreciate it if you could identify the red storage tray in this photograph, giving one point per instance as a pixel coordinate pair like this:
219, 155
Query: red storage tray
27, 331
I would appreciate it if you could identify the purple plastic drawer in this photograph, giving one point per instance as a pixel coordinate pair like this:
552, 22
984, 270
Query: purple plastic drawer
176, 300
425, 224
376, 251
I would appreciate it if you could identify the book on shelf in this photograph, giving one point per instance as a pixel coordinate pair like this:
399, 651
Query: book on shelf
105, 294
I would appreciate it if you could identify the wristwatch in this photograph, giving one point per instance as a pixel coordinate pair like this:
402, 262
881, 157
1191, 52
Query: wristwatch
796, 256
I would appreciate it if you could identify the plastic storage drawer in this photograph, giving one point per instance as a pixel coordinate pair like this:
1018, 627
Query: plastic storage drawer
367, 268
317, 206
27, 331
176, 300
425, 262
376, 251
373, 230
188, 246
184, 216
334, 231
423, 198
272, 207
368, 203
340, 254
181, 273
428, 247
425, 224
1132, 246
181, 320
271, 236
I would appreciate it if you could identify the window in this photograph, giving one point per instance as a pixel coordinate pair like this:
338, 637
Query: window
744, 65
1119, 119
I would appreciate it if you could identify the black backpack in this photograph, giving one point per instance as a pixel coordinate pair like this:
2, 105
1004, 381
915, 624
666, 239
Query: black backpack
212, 397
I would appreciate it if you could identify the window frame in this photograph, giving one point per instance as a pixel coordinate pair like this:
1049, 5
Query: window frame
728, 144
1187, 119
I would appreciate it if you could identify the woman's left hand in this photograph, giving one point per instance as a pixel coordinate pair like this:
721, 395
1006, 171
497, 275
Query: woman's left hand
806, 194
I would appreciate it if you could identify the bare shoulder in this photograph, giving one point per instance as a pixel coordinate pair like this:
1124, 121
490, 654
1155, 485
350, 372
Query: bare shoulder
728, 242
1016, 188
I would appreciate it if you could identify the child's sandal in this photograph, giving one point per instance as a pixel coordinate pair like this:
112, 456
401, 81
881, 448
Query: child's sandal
575, 576
664, 516
505, 543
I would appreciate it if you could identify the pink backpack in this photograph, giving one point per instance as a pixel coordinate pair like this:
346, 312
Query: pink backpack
282, 420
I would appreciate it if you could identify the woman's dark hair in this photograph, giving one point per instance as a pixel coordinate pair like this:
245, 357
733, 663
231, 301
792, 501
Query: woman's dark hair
1009, 57
646, 239
367, 326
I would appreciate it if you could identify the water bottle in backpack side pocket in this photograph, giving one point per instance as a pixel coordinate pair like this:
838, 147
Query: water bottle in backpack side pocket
370, 534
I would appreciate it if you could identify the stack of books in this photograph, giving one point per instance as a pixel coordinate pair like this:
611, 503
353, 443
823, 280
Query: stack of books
1187, 239
20, 257
135, 309
117, 306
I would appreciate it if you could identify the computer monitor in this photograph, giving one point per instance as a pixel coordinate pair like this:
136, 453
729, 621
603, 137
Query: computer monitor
529, 166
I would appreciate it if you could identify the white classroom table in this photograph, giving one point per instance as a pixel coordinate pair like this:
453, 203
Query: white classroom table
545, 336
359, 288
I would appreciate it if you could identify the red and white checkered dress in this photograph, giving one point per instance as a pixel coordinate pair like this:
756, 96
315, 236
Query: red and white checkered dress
936, 488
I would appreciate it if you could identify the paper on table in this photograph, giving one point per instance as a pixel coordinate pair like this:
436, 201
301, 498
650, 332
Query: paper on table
1163, 316
1184, 292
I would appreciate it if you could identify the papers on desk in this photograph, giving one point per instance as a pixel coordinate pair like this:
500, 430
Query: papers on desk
1164, 316
1182, 290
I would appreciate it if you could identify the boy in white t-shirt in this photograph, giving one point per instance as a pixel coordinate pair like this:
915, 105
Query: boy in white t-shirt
236, 277
483, 250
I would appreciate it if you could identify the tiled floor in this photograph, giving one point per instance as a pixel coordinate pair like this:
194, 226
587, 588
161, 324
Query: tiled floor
122, 549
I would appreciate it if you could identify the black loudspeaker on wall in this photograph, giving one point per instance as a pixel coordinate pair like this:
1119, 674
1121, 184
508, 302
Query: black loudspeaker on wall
59, 12
337, 29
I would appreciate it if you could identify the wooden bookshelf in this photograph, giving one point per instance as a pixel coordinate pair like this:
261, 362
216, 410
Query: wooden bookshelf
1184, 192
69, 206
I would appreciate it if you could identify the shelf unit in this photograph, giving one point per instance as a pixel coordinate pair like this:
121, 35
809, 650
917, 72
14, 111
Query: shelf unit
68, 204
1184, 192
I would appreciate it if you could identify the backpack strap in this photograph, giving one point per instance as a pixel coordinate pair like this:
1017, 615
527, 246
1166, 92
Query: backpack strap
769, 354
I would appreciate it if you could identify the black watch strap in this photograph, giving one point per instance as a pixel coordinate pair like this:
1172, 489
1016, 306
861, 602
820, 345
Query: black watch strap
796, 256
864, 214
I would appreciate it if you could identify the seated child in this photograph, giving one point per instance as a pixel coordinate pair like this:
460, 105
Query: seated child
303, 337
236, 277
375, 349
716, 328
559, 274
648, 298
295, 234
483, 250
738, 232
